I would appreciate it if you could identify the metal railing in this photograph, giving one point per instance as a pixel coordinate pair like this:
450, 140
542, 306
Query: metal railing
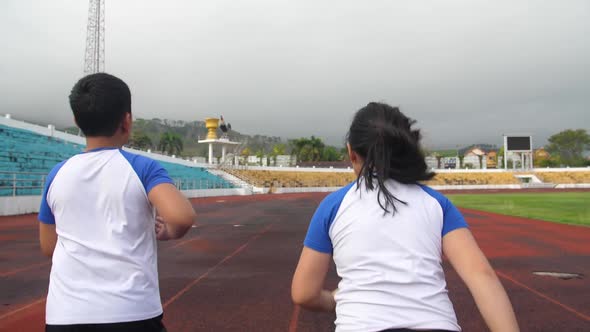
32, 183
198, 184
21, 183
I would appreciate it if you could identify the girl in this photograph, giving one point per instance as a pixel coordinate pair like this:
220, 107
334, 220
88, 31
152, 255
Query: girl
386, 233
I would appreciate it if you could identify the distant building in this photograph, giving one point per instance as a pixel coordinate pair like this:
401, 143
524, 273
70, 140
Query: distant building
431, 162
476, 158
285, 160
492, 159
254, 160
436, 161
450, 162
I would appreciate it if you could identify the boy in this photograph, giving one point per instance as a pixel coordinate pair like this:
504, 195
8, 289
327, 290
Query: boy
97, 221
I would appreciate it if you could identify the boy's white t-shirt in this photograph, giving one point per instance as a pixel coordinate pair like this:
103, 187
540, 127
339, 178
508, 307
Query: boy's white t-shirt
390, 265
105, 260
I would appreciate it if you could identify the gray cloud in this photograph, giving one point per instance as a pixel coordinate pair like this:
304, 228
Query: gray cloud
468, 71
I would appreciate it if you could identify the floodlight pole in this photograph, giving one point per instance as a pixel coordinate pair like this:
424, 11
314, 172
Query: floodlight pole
505, 152
532, 153
95, 33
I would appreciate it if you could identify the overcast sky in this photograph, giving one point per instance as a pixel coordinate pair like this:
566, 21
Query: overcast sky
468, 71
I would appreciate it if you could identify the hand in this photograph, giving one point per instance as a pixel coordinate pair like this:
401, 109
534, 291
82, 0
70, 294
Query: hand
334, 292
161, 229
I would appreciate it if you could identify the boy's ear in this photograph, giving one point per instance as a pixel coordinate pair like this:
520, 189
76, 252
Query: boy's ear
127, 123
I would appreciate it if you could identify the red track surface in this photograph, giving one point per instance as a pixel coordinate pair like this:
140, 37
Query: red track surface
233, 272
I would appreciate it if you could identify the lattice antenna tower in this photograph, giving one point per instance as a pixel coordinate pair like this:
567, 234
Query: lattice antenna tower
94, 56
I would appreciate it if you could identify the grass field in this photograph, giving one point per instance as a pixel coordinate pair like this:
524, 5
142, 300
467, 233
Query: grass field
568, 208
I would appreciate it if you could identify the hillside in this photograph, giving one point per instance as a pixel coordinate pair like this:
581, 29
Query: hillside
191, 132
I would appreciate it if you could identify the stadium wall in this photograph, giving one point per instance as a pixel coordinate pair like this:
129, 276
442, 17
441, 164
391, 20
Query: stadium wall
458, 170
295, 169
15, 205
573, 186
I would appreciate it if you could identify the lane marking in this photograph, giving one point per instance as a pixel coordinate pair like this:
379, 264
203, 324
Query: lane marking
210, 270
32, 266
546, 297
187, 240
181, 243
10, 313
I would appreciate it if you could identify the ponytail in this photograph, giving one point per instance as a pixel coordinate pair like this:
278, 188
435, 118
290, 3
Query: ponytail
383, 137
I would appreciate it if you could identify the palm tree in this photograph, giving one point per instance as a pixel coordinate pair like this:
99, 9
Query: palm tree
438, 160
171, 143
308, 149
260, 155
140, 140
278, 149
297, 146
317, 147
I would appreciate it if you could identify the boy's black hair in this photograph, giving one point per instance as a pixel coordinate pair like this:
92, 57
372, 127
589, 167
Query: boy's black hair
383, 137
99, 102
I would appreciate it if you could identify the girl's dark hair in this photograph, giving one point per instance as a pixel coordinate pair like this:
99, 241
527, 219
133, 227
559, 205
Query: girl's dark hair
390, 148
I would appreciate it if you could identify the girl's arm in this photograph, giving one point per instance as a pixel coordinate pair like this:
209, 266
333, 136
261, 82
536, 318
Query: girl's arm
308, 281
472, 266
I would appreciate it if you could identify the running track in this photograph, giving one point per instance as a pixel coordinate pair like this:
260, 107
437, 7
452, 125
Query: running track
233, 272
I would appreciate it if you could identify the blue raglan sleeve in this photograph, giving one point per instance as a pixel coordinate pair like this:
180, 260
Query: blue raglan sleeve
318, 237
452, 218
155, 175
149, 171
45, 214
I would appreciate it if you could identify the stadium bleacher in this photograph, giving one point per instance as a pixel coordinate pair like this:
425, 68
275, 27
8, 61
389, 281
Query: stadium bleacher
293, 179
27, 157
564, 177
491, 178
187, 178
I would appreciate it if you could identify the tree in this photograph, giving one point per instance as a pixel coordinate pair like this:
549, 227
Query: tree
500, 156
438, 157
344, 152
317, 148
245, 154
297, 148
139, 140
277, 150
307, 149
170, 143
330, 153
569, 146
260, 155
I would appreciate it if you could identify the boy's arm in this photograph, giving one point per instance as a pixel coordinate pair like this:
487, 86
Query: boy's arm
174, 208
472, 266
47, 238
